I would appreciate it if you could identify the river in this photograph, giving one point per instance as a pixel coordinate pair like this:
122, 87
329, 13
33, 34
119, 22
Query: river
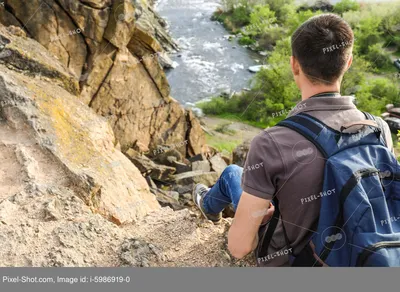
208, 62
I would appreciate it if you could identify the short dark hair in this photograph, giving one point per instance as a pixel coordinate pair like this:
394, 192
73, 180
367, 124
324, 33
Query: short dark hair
322, 46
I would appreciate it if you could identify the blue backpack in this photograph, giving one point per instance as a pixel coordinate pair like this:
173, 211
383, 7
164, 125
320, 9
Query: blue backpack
359, 223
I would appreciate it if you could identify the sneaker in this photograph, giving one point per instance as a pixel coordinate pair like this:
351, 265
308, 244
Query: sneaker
199, 192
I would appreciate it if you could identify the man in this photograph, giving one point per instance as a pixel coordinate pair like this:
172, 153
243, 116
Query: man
281, 163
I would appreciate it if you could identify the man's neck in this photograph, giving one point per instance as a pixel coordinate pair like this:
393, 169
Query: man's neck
307, 92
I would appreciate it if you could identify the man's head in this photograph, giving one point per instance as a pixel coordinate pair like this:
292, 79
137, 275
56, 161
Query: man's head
321, 51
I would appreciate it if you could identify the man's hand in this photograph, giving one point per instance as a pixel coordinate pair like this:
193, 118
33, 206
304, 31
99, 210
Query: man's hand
242, 236
268, 214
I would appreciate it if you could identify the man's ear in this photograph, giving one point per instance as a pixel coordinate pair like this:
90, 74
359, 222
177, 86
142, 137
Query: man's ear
294, 64
349, 62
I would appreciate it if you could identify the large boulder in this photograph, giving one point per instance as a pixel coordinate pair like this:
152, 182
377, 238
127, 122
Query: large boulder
49, 140
218, 164
196, 177
239, 154
148, 168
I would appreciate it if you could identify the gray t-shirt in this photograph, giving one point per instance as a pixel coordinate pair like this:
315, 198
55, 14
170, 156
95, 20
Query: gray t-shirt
294, 176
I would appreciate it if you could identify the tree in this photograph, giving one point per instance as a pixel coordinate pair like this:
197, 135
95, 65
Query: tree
279, 7
261, 18
367, 34
378, 57
346, 5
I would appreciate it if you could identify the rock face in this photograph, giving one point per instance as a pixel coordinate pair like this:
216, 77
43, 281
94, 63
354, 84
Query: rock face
114, 50
49, 140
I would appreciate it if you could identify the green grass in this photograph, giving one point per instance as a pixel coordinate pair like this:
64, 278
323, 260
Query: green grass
224, 129
237, 118
222, 146
234, 20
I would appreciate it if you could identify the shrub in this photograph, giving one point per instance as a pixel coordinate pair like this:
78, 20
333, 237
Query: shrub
240, 16
378, 57
374, 95
246, 40
346, 5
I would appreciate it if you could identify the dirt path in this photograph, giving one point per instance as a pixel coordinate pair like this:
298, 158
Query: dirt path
182, 239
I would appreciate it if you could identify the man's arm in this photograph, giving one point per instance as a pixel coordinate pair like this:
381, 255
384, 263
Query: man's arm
258, 183
242, 236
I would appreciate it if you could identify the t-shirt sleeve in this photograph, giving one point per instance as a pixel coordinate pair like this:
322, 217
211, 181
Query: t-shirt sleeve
262, 166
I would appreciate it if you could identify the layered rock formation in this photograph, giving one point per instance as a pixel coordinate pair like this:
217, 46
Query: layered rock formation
114, 50
51, 140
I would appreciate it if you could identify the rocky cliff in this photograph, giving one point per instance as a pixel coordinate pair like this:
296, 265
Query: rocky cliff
115, 51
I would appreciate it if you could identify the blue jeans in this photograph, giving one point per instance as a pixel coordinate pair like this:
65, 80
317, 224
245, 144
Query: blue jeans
227, 190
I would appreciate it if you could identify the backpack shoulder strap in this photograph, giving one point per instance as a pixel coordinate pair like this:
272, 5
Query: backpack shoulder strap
322, 136
265, 241
379, 122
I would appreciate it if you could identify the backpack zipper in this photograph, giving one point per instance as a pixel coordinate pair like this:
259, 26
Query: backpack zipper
367, 252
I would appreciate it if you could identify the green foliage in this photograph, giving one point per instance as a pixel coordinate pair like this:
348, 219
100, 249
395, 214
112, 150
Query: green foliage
261, 18
270, 37
278, 80
246, 40
241, 16
355, 78
222, 146
263, 27
391, 25
280, 7
367, 34
376, 93
236, 14
378, 57
243, 106
346, 5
